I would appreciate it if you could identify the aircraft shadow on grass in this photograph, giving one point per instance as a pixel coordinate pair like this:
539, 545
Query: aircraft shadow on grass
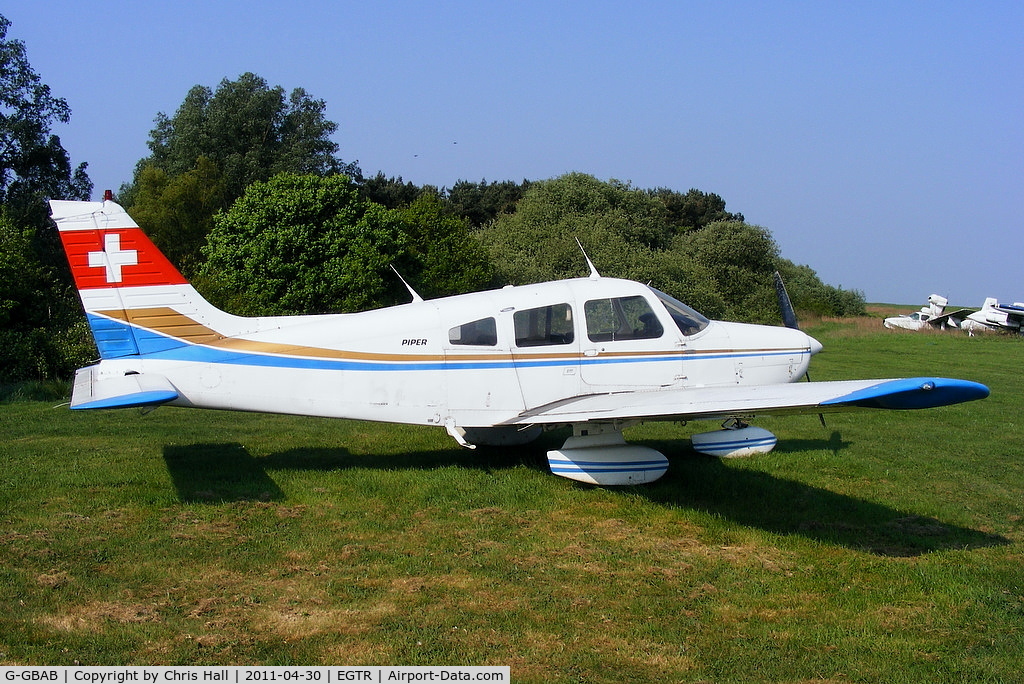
223, 472
765, 501
835, 443
782, 506
217, 473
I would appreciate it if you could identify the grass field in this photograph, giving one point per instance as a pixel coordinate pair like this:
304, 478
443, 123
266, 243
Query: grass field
885, 547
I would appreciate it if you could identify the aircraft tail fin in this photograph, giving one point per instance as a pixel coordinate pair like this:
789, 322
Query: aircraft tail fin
136, 301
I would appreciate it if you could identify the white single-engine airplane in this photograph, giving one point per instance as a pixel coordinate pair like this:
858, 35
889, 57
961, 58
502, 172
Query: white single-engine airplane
995, 316
493, 367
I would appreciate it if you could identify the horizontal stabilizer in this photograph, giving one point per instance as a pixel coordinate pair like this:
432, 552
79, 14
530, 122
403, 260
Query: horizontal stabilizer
95, 391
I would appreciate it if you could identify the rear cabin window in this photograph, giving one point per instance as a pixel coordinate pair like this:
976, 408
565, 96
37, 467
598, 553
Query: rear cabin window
479, 333
544, 325
621, 318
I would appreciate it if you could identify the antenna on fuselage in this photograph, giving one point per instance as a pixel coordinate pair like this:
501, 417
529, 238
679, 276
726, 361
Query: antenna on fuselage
594, 275
415, 295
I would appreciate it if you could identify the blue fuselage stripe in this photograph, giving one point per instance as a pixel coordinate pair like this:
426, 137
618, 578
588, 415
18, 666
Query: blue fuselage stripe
154, 345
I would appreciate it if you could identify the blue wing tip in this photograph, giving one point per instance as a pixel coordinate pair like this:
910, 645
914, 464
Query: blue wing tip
913, 393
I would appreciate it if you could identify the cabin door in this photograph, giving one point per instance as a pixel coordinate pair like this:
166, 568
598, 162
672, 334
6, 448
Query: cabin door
546, 353
627, 347
483, 387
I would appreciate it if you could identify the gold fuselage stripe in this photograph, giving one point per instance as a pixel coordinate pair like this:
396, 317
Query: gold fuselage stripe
171, 323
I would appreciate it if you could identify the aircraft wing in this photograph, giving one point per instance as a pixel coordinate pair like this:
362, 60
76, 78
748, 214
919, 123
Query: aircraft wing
1012, 310
959, 313
742, 401
93, 390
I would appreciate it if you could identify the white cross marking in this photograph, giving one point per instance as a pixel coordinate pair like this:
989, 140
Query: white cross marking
113, 257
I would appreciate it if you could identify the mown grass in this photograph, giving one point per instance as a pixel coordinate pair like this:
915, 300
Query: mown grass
885, 547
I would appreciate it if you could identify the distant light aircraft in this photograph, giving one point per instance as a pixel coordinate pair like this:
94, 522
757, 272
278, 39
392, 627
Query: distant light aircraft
932, 316
995, 316
598, 354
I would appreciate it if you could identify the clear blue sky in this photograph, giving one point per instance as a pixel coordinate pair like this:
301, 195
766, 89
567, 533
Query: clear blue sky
882, 143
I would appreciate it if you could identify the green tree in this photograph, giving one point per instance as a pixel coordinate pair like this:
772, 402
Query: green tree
694, 209
23, 322
250, 131
810, 295
216, 144
622, 229
630, 213
480, 203
305, 244
177, 211
33, 164
443, 256
42, 332
616, 224
741, 260
723, 269
390, 192
41, 323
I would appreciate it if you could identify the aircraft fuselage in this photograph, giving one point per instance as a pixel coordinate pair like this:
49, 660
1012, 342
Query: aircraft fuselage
478, 359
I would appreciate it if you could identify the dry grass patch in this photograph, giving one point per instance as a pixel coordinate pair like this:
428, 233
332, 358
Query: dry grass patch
93, 616
901, 617
653, 659
53, 580
291, 622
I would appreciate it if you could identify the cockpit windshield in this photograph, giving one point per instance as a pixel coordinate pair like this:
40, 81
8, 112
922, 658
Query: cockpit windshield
689, 321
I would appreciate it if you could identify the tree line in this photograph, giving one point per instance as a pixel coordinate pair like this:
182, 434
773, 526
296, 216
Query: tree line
246, 193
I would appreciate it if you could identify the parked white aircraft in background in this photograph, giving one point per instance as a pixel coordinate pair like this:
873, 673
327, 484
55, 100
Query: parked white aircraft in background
595, 353
995, 316
932, 316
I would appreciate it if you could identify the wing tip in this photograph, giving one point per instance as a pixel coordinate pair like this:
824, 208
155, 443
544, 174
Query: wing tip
913, 393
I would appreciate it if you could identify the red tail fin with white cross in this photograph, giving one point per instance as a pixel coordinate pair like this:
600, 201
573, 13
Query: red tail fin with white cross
136, 301
107, 249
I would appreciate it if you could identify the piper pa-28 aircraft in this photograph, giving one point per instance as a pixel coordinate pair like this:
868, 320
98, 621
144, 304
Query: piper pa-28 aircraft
595, 353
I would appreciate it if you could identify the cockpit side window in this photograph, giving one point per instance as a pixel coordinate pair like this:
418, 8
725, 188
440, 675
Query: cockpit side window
481, 333
689, 321
544, 325
621, 318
